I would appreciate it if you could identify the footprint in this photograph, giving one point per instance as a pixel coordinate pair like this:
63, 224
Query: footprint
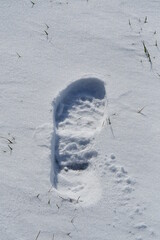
79, 112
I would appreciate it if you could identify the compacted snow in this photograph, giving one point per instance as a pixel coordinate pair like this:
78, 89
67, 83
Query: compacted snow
79, 113
79, 120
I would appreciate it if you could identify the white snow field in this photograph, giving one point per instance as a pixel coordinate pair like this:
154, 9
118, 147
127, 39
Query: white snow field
79, 120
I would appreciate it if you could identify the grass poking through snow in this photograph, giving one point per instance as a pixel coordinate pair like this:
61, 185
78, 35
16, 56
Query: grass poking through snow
147, 53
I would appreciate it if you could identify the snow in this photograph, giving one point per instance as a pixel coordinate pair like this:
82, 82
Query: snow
79, 111
48, 51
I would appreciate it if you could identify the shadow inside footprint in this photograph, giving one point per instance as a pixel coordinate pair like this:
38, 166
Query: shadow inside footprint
77, 113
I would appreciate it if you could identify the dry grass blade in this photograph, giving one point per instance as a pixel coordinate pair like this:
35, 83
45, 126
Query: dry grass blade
145, 21
47, 25
10, 142
147, 53
19, 56
58, 206
72, 221
110, 124
37, 196
129, 22
158, 74
156, 44
140, 111
46, 33
38, 235
69, 234
32, 4
10, 148
50, 189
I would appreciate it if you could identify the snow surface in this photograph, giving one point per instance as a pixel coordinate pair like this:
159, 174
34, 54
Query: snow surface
46, 49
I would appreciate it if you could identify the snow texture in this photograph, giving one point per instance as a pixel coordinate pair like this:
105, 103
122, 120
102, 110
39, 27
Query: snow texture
79, 120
